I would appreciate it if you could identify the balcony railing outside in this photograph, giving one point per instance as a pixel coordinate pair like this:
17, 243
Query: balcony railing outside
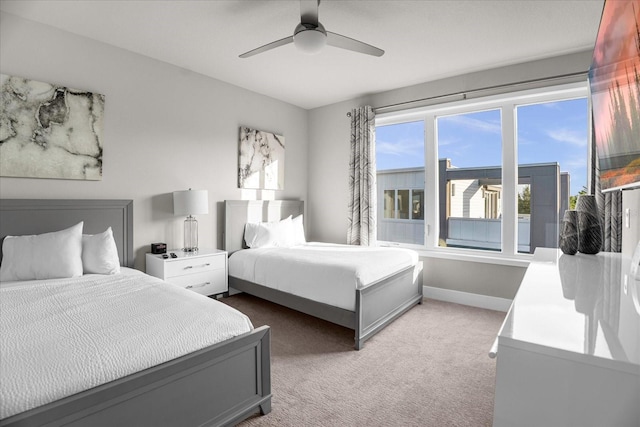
483, 233
478, 233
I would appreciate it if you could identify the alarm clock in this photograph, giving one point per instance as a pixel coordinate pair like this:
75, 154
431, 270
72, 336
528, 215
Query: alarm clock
158, 248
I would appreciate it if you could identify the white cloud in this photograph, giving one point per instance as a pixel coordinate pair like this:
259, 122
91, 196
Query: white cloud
403, 147
526, 141
475, 124
570, 136
551, 105
575, 163
459, 152
447, 141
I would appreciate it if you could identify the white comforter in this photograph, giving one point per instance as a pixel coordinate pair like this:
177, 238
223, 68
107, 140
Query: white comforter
60, 337
322, 272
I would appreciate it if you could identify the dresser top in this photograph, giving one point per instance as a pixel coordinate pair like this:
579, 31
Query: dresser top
581, 307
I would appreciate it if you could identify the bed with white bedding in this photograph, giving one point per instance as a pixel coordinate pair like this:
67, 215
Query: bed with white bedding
302, 269
362, 288
94, 329
116, 348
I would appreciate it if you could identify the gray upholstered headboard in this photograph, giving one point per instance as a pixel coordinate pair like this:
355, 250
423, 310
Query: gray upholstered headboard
30, 216
239, 212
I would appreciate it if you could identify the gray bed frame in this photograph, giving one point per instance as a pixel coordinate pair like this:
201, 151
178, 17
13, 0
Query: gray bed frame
377, 305
218, 385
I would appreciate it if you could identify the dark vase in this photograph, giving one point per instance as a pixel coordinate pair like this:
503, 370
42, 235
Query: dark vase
589, 228
569, 233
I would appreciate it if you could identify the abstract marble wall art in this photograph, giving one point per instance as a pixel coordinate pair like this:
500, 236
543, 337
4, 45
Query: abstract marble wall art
260, 160
49, 131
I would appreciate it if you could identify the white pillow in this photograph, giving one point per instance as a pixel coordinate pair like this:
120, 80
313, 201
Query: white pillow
100, 254
250, 233
43, 256
298, 231
269, 234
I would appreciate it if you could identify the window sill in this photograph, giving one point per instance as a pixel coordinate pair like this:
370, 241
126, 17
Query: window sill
461, 255
513, 261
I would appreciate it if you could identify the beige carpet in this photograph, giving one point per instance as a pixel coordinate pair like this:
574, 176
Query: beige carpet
428, 368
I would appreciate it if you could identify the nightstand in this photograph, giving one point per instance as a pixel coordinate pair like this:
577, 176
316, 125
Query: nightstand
204, 271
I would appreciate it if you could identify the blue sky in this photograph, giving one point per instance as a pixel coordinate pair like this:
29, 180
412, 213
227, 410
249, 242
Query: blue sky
550, 132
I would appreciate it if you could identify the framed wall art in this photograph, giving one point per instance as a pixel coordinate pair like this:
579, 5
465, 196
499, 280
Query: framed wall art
49, 131
260, 160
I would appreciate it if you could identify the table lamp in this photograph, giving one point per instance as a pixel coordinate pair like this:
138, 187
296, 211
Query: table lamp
190, 202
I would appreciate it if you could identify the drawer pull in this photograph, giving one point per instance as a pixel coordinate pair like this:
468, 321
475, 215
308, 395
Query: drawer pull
198, 286
191, 266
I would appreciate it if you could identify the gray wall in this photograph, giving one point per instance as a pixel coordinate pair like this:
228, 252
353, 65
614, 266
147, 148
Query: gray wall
501, 281
329, 129
165, 129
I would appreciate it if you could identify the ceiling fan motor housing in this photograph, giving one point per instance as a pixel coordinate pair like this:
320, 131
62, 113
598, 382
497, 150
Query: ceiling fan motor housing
309, 38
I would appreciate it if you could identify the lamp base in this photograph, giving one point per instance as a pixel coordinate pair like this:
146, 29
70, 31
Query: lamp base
190, 234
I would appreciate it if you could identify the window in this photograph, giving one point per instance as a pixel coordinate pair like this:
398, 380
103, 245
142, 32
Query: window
470, 153
552, 152
417, 204
403, 218
389, 204
407, 203
488, 174
400, 180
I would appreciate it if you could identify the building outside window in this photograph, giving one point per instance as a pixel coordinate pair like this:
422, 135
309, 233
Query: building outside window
499, 173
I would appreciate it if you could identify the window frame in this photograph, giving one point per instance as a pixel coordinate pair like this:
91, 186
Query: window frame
507, 103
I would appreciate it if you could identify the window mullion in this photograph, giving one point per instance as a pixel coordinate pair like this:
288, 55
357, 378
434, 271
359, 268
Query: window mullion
509, 180
431, 200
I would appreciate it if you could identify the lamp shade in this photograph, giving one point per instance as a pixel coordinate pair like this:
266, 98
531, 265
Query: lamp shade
191, 202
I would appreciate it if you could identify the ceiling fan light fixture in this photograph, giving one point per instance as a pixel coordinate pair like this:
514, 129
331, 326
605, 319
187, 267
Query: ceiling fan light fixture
310, 40
310, 36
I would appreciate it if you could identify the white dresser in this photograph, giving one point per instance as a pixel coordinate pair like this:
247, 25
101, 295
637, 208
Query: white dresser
568, 352
204, 271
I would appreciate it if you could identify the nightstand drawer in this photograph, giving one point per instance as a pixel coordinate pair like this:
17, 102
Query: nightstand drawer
205, 283
192, 266
204, 272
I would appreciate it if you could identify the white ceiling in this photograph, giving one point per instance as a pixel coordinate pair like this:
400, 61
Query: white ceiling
424, 39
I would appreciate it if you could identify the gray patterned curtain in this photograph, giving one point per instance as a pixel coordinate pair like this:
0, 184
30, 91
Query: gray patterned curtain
362, 178
609, 207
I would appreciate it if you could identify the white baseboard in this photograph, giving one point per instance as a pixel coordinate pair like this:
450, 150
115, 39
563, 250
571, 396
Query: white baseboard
466, 298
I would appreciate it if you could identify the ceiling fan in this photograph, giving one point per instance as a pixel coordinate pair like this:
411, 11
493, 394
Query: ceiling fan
310, 36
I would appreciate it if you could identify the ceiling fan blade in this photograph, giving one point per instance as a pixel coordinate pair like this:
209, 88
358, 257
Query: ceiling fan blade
309, 11
268, 46
348, 43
